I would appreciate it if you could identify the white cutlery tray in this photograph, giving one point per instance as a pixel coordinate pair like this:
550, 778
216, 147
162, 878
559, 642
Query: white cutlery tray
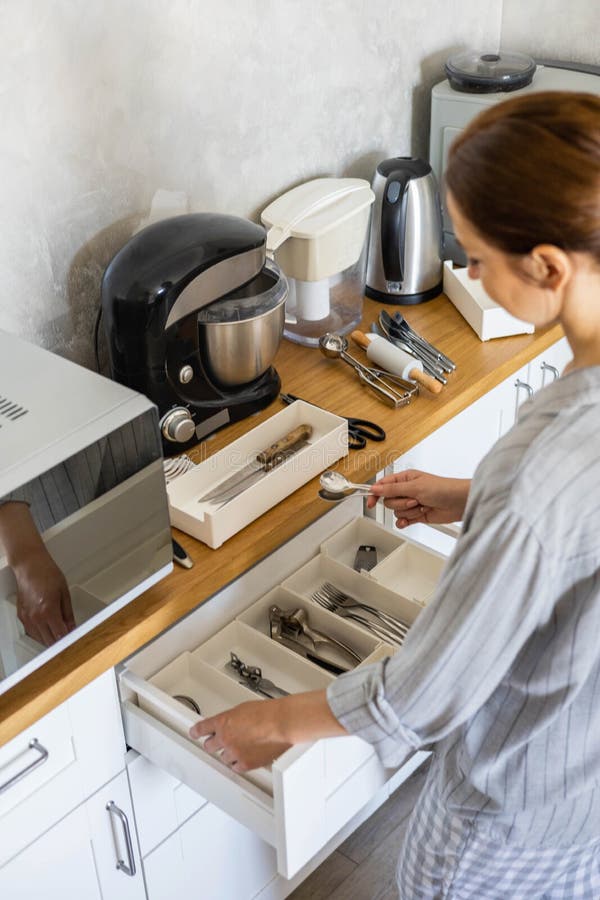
484, 315
312, 790
213, 524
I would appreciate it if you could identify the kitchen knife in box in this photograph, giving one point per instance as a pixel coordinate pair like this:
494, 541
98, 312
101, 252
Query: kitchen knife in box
264, 461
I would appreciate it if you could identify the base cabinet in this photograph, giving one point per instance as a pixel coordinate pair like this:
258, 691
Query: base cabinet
89, 855
210, 856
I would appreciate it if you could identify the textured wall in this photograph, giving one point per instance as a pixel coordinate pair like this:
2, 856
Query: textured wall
553, 29
231, 102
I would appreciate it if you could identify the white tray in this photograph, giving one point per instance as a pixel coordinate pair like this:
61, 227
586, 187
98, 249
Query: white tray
486, 318
212, 524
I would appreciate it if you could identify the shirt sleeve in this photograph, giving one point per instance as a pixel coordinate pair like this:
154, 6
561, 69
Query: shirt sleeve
490, 598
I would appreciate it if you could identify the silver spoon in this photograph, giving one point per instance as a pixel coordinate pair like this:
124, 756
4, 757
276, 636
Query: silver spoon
336, 483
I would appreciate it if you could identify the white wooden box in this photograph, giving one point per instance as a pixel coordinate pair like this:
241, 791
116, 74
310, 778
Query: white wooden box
214, 524
312, 791
486, 318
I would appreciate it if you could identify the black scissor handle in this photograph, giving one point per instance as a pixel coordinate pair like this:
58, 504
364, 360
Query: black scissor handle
366, 429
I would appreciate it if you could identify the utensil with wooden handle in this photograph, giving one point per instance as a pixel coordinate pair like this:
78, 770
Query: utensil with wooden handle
395, 360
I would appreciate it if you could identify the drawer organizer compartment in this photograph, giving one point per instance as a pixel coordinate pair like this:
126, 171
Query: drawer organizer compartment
212, 523
313, 790
406, 568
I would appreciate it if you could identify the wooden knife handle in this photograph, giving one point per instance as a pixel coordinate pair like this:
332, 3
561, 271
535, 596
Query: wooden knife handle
359, 338
267, 456
425, 380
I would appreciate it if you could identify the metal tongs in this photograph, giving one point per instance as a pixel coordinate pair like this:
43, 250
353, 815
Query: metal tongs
252, 677
335, 345
292, 629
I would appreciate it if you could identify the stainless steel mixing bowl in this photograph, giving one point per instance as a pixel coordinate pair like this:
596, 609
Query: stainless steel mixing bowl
240, 334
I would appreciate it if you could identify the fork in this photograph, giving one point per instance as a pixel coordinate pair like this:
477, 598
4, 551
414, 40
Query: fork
372, 627
344, 600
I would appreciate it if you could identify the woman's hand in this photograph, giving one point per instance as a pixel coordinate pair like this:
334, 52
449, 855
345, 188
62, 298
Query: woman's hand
254, 734
416, 496
43, 599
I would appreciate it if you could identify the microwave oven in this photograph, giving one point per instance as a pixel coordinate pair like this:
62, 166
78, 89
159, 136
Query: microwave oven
452, 110
85, 454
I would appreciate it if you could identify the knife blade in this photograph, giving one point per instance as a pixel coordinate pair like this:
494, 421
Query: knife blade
263, 462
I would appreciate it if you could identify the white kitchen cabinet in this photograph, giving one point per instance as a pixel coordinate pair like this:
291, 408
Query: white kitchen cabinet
212, 856
86, 855
313, 791
52, 767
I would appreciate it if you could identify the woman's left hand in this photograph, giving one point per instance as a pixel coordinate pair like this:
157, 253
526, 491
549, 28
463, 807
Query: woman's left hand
247, 736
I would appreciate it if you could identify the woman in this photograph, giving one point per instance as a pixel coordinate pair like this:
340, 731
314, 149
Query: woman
500, 673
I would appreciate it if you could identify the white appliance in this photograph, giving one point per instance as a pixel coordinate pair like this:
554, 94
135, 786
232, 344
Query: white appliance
317, 232
452, 110
111, 548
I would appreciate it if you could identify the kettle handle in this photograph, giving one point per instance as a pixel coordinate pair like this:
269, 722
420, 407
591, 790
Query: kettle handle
393, 224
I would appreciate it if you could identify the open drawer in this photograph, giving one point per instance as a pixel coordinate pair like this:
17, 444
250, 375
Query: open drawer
313, 790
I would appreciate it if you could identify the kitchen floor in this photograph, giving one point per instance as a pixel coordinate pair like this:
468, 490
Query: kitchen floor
364, 866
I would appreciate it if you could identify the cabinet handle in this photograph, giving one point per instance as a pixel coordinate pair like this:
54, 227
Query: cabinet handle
518, 385
113, 809
34, 744
546, 367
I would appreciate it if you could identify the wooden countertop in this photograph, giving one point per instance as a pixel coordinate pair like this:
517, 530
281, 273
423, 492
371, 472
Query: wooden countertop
326, 382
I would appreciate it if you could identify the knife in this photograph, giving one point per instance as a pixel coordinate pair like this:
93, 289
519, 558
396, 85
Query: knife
264, 461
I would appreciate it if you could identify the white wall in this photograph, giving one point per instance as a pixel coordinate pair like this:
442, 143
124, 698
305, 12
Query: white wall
103, 102
553, 29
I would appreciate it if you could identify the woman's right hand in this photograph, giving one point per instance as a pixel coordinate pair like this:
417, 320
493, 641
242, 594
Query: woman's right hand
416, 496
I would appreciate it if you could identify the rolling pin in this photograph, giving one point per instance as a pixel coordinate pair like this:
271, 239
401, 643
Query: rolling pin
395, 360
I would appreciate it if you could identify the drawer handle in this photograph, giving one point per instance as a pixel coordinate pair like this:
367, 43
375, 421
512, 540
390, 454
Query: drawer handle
518, 385
33, 745
113, 809
546, 367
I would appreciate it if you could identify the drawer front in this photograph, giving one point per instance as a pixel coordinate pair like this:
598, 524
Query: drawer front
312, 791
53, 766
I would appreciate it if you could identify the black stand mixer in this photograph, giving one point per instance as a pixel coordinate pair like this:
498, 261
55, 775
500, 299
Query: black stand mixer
193, 313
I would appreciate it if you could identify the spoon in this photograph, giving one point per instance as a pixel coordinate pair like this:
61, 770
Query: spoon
334, 483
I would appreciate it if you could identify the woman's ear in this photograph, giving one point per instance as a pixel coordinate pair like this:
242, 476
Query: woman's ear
548, 266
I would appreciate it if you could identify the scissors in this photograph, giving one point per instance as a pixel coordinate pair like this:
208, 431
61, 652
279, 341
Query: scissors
359, 430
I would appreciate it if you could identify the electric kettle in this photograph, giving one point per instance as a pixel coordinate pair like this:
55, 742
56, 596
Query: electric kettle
404, 263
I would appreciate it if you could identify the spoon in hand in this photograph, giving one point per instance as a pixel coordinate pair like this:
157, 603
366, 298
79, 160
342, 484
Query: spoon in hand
336, 483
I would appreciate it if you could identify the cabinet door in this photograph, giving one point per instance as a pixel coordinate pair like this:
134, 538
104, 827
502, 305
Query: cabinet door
210, 856
114, 842
58, 866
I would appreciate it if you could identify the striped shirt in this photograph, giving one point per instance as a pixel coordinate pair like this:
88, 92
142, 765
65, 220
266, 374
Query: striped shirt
500, 675
77, 481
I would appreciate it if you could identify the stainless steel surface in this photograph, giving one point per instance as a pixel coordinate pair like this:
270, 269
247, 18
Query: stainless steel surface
34, 744
188, 701
216, 281
521, 385
546, 367
263, 462
252, 678
237, 352
292, 629
129, 867
371, 626
417, 243
334, 346
336, 483
345, 601
177, 465
430, 363
444, 360
177, 425
186, 373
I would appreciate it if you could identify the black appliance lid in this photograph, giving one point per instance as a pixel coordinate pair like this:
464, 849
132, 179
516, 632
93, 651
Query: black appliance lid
187, 261
484, 73
265, 292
